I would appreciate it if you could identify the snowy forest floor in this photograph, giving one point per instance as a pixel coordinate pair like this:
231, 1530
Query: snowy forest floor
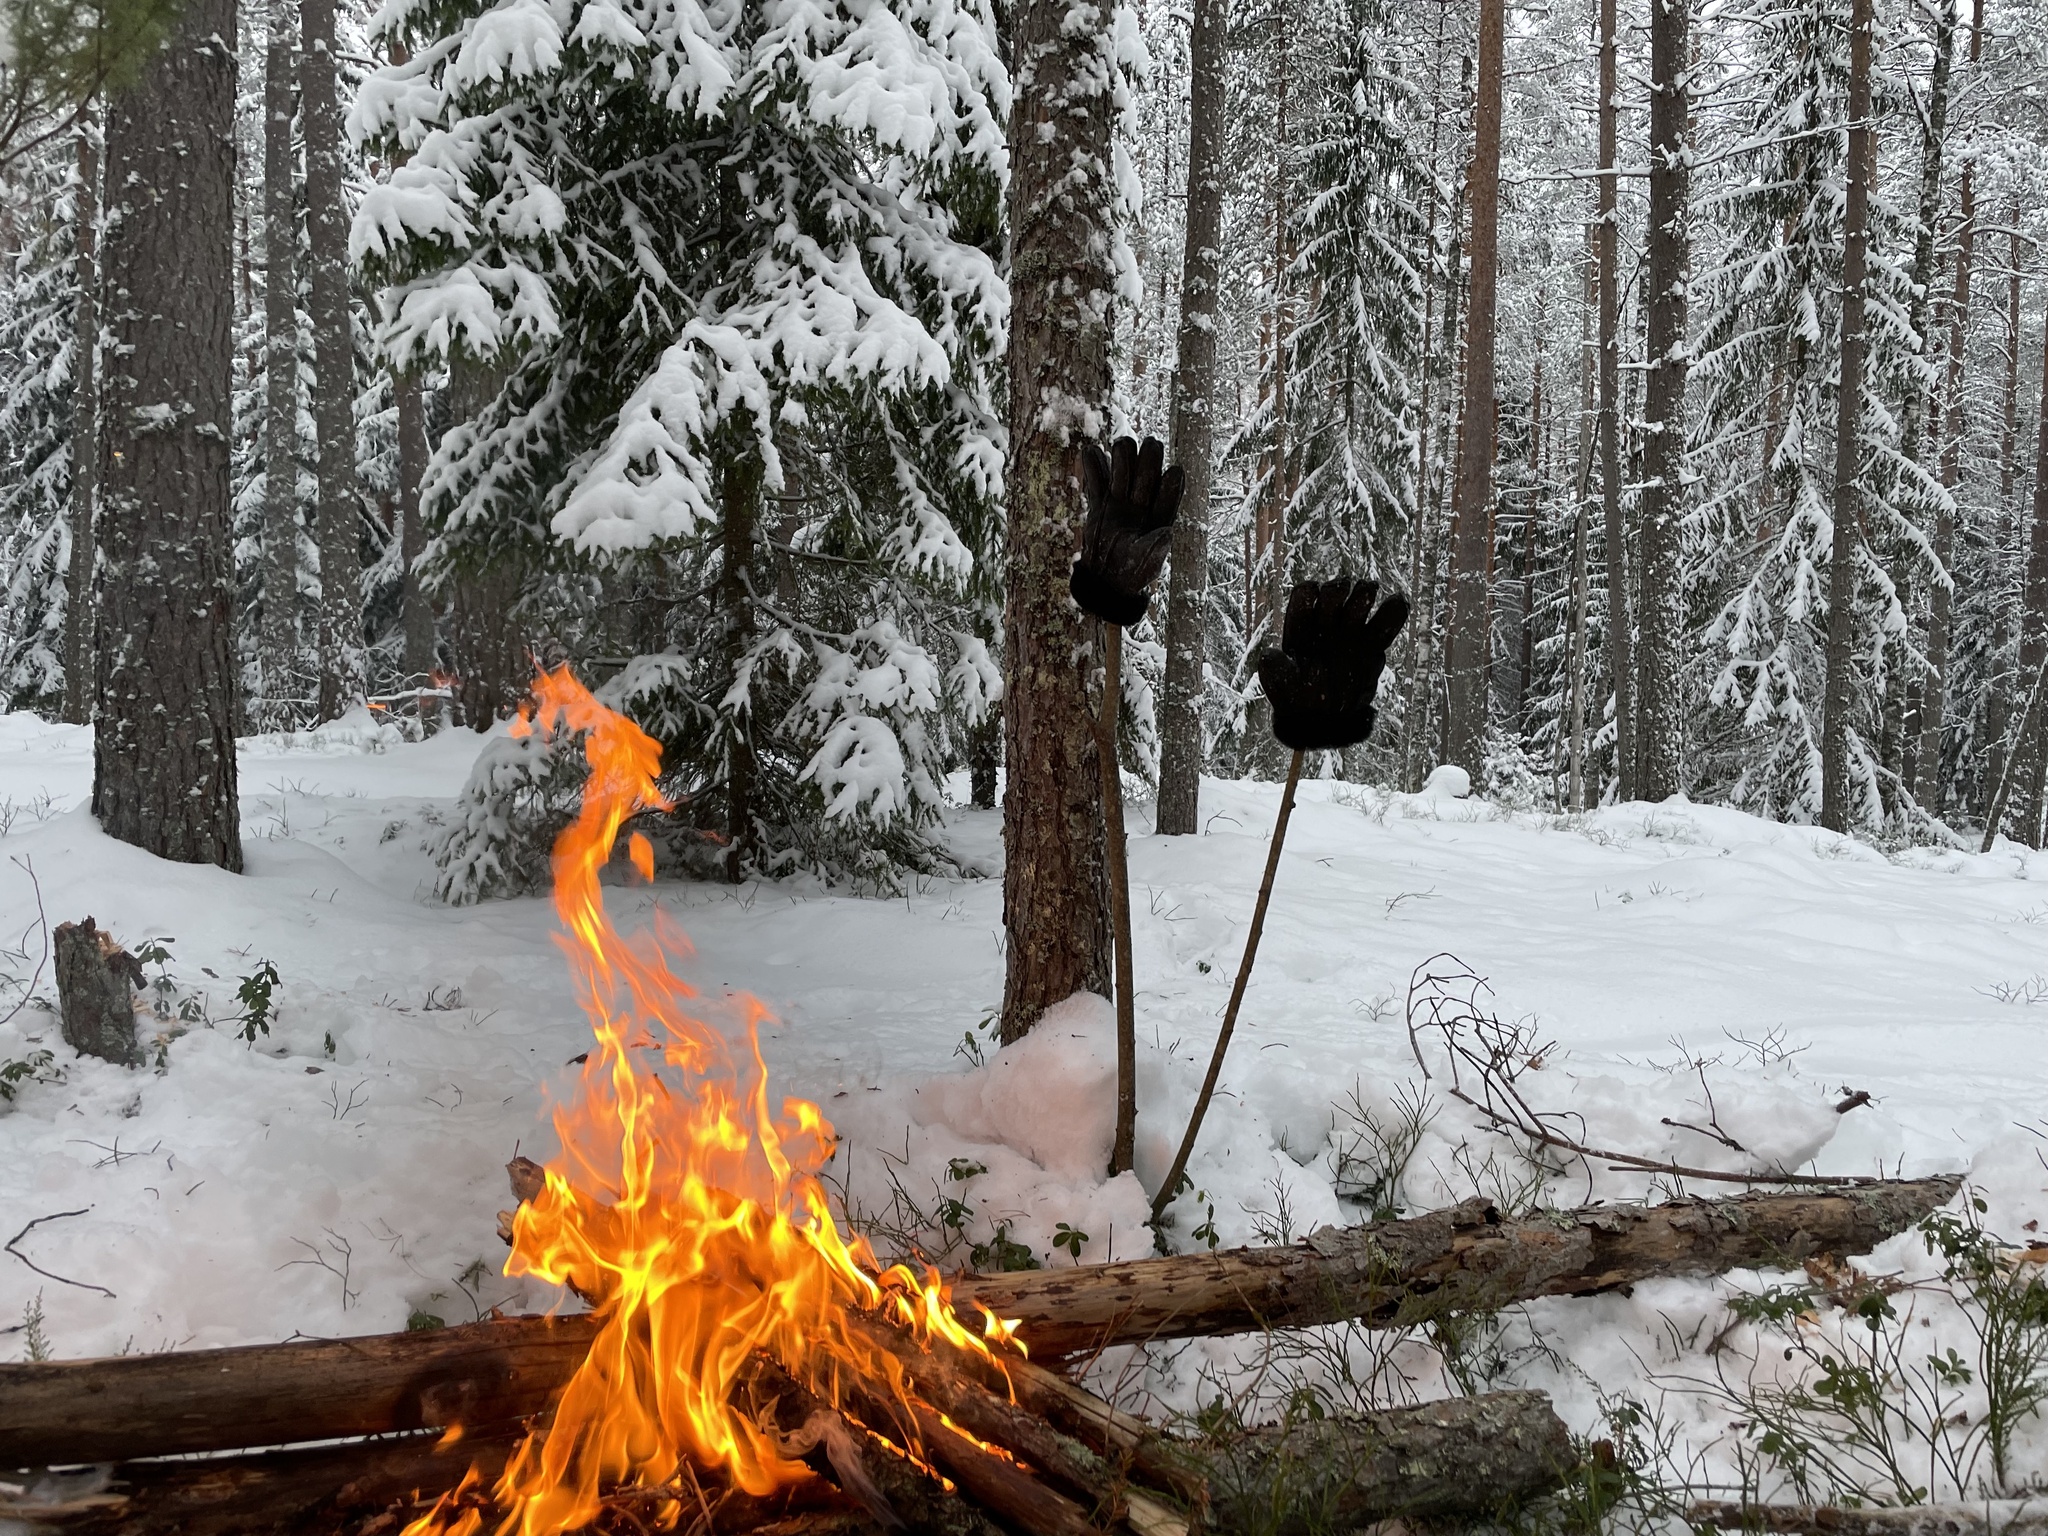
1690, 964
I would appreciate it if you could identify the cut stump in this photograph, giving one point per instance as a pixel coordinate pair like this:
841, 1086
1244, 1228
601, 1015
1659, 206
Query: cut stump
96, 984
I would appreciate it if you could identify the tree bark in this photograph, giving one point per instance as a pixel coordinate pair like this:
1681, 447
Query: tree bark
1194, 448
85, 432
164, 773
1446, 1461
96, 983
281, 370
1062, 228
1840, 692
1620, 667
2034, 627
334, 369
418, 618
1472, 501
1998, 697
1387, 1274
740, 504
1926, 785
1660, 660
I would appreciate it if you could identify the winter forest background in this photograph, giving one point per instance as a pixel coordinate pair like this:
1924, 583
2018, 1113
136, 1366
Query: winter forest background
672, 341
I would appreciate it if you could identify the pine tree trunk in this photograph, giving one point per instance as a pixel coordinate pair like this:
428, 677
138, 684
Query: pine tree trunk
1472, 501
1187, 582
1575, 787
334, 366
1998, 697
281, 371
486, 630
85, 433
1620, 666
164, 753
1660, 701
1841, 679
1926, 784
418, 614
1055, 896
2032, 752
740, 479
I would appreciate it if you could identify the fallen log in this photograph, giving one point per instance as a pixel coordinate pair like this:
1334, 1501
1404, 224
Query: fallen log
1464, 1458
1992, 1517
1385, 1274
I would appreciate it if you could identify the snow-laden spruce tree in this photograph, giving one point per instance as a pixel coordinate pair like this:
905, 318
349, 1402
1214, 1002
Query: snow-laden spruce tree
37, 344
1769, 371
719, 288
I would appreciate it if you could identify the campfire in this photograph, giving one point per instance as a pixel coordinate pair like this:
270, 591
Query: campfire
685, 1207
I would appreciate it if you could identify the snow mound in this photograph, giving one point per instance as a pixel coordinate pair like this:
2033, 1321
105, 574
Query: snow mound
1448, 781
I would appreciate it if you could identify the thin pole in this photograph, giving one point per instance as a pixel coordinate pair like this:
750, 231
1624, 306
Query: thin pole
1121, 1150
1171, 1183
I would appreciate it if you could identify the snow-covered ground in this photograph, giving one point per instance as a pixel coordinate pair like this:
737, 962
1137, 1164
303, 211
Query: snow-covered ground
343, 1174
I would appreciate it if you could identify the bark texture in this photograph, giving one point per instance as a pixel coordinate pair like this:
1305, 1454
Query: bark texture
280, 366
1447, 1461
1472, 496
85, 432
96, 982
164, 751
1620, 667
334, 367
1841, 690
1387, 1274
2028, 768
1660, 660
1062, 218
1194, 447
412, 534
1926, 779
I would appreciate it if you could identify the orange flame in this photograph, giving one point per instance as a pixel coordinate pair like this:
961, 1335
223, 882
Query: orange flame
686, 1208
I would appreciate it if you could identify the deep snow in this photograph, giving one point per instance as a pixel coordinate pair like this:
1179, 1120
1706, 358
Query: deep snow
343, 1174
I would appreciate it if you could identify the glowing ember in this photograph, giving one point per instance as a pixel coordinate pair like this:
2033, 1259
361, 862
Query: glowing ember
686, 1208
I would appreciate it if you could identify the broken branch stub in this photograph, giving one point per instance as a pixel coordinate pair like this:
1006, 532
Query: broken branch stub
96, 984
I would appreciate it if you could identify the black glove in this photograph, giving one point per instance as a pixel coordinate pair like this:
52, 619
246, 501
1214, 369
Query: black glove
1324, 673
1132, 502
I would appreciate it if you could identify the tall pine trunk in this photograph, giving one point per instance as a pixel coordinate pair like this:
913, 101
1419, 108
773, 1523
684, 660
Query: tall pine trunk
1472, 500
2032, 753
334, 364
1620, 667
1926, 784
281, 368
1660, 700
418, 604
1194, 449
740, 487
1998, 698
164, 752
1062, 212
85, 433
1840, 695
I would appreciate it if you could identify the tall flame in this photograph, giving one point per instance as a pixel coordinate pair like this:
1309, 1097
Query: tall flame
684, 1206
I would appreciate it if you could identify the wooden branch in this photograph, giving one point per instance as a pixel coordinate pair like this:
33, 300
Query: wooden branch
1458, 1459
1993, 1517
1385, 1274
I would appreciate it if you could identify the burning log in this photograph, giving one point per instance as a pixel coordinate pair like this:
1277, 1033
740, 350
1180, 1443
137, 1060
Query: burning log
1386, 1274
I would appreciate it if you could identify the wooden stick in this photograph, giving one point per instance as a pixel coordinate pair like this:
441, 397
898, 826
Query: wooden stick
1170, 1186
1992, 1517
1122, 1149
1384, 1273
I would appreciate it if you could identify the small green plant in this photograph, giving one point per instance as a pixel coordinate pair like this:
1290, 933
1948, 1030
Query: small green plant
256, 994
13, 1074
422, 1321
35, 1341
961, 1169
1002, 1253
327, 1044
163, 991
1070, 1238
971, 1047
1206, 1232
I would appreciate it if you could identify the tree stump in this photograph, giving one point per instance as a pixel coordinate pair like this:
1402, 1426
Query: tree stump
96, 984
